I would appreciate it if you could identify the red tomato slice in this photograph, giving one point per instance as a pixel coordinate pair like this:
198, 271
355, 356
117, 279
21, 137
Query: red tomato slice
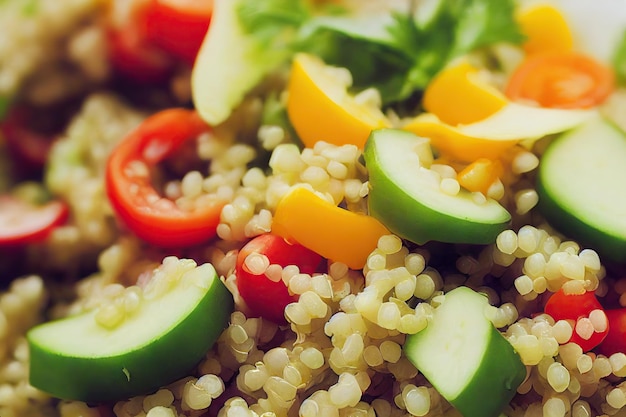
22, 222
150, 216
574, 307
29, 134
615, 340
561, 80
137, 59
264, 297
178, 26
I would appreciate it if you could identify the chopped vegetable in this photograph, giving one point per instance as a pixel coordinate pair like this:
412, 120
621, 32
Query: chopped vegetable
134, 57
262, 287
589, 321
615, 340
449, 92
545, 28
479, 175
23, 222
321, 109
230, 62
28, 147
491, 137
578, 187
335, 233
149, 215
464, 356
567, 80
136, 342
178, 26
408, 197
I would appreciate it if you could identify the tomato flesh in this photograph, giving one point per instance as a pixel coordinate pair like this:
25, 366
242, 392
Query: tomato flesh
574, 307
264, 297
178, 26
23, 223
138, 204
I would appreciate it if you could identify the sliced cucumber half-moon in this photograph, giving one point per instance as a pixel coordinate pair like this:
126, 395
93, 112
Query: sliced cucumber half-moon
581, 187
95, 357
404, 197
465, 357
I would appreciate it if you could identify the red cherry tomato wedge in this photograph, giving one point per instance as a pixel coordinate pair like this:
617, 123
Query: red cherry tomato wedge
615, 340
586, 314
178, 26
139, 205
22, 222
137, 59
264, 297
561, 80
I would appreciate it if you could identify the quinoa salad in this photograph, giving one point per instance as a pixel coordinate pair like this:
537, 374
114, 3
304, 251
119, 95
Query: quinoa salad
312, 208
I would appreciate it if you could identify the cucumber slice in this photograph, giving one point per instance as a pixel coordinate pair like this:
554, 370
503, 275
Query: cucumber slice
403, 197
465, 357
170, 331
229, 64
581, 190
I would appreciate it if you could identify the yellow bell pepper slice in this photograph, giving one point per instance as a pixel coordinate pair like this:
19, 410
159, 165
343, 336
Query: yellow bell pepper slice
333, 232
320, 107
480, 175
545, 28
491, 137
458, 95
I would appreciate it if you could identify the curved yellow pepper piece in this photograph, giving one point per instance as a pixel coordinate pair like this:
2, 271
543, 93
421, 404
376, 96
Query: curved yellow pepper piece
458, 95
333, 232
545, 28
321, 109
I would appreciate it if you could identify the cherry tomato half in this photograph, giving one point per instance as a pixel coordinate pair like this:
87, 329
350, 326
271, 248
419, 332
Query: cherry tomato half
577, 307
561, 80
137, 59
139, 205
22, 222
178, 26
615, 340
264, 297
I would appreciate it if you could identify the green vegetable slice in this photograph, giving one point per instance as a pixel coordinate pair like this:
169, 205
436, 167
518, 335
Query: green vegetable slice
465, 357
230, 62
158, 336
580, 186
404, 197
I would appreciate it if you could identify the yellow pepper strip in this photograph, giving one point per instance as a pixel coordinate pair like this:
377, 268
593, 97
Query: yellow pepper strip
333, 232
451, 143
458, 95
491, 137
546, 30
321, 109
479, 175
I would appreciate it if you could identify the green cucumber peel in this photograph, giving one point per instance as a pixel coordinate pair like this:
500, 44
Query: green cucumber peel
464, 356
580, 187
403, 198
78, 358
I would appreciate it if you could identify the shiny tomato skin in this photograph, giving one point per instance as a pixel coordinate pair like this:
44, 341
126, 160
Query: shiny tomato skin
28, 147
141, 207
135, 58
25, 223
573, 307
178, 26
266, 298
615, 340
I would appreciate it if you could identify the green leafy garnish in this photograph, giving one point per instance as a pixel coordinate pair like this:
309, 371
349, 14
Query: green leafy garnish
397, 52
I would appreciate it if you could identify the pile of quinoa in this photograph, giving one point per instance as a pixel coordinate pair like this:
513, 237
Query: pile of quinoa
340, 353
